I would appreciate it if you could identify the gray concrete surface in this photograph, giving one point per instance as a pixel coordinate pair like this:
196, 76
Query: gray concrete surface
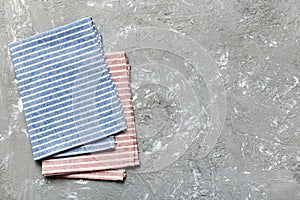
216, 97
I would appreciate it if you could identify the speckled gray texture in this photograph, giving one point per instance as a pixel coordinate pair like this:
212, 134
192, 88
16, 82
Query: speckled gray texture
245, 88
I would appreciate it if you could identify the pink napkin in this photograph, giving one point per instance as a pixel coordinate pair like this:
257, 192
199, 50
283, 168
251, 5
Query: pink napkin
108, 175
125, 153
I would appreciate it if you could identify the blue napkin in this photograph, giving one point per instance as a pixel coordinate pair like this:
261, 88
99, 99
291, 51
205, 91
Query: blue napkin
68, 95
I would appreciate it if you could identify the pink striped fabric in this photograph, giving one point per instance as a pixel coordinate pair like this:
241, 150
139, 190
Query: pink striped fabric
125, 153
107, 175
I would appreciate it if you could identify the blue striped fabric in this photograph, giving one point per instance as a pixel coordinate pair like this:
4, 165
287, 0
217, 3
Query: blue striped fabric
68, 95
97, 146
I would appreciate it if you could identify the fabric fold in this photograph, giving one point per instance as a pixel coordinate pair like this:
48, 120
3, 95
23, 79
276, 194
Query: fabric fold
108, 175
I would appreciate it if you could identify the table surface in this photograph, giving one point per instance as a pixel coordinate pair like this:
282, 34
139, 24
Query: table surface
215, 89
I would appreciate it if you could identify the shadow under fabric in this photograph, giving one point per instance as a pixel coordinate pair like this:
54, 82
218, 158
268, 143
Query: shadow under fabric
67, 92
105, 165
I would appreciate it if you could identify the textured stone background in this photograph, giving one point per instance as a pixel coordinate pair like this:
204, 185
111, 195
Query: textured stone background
255, 48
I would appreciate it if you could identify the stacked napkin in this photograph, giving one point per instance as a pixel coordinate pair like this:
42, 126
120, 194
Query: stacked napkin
77, 103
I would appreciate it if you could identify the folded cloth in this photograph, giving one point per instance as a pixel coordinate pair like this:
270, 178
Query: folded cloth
107, 175
68, 94
125, 153
97, 146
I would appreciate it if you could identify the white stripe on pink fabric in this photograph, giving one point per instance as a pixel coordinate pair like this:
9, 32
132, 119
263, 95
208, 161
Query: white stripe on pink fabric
108, 175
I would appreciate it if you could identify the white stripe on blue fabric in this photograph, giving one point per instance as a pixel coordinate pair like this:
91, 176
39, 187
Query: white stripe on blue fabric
67, 91
101, 145
49, 95
59, 51
107, 95
44, 141
58, 81
69, 138
104, 94
44, 135
67, 73
50, 33
93, 131
43, 71
54, 48
42, 124
24, 50
35, 64
89, 91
